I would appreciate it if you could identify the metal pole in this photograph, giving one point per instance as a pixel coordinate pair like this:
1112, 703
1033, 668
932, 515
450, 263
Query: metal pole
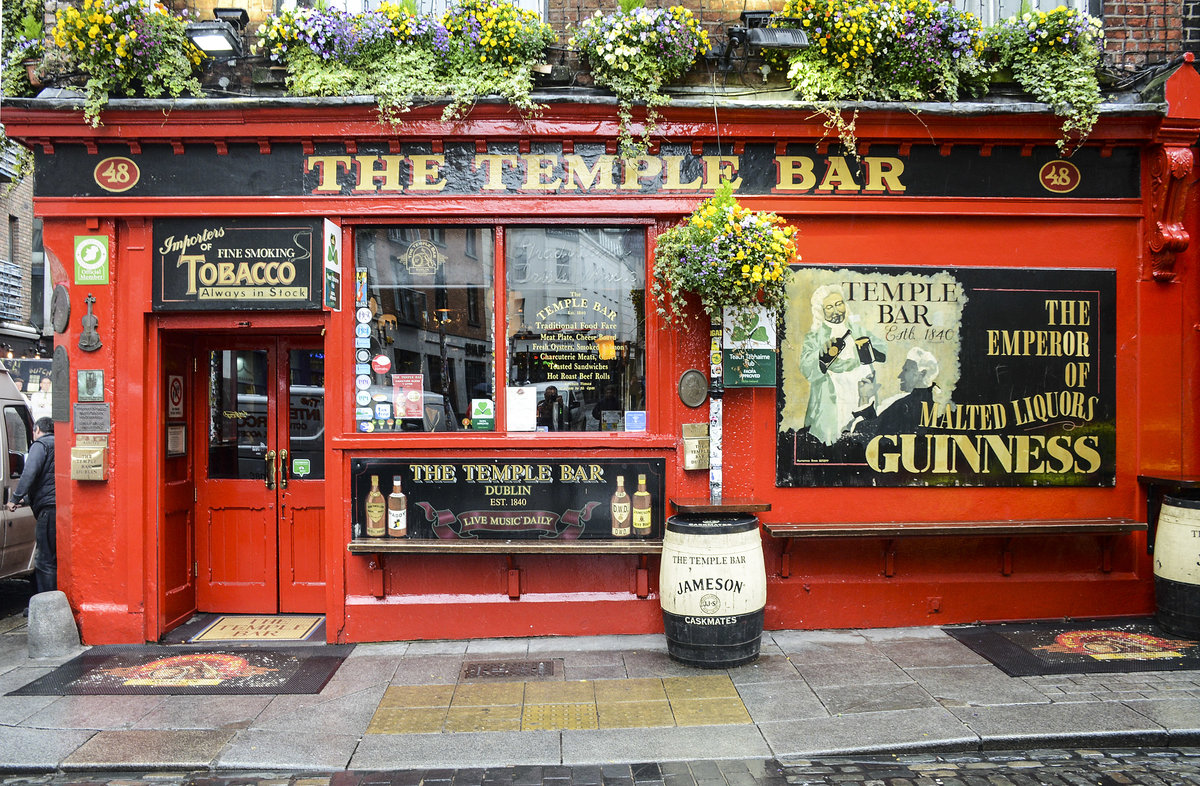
716, 391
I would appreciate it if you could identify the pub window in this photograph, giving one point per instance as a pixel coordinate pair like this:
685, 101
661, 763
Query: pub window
417, 279
580, 341
574, 338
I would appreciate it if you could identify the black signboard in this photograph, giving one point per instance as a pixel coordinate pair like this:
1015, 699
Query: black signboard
961, 377
245, 264
376, 169
518, 499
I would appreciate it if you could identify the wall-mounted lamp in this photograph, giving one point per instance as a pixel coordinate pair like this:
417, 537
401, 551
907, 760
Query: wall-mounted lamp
220, 37
755, 33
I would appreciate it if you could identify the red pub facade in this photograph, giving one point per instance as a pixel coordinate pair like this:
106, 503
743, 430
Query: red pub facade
273, 315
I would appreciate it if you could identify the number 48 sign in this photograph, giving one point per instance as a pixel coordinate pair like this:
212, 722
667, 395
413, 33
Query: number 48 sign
117, 174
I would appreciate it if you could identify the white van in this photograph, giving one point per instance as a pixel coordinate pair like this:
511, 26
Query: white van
17, 535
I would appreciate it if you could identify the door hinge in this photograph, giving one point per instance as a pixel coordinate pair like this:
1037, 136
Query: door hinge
195, 495
196, 568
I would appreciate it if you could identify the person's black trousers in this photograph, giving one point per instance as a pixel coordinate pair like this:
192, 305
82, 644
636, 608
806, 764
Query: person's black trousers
45, 558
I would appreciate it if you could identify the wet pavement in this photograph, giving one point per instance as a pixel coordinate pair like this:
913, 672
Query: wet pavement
903, 703
1050, 767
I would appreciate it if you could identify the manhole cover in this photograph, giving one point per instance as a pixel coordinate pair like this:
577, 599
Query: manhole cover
508, 669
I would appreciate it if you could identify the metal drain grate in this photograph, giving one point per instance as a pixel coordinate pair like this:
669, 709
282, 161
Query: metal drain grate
509, 669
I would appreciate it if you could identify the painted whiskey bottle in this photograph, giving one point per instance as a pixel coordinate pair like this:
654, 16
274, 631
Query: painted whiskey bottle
376, 509
620, 510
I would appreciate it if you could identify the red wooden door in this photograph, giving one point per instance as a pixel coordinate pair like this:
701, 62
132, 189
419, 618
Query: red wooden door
260, 495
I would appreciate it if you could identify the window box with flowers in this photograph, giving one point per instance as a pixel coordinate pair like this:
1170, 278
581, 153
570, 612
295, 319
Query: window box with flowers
1054, 55
922, 50
479, 47
635, 52
128, 48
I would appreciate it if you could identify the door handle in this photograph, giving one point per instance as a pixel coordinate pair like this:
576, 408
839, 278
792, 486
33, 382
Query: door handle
283, 469
270, 459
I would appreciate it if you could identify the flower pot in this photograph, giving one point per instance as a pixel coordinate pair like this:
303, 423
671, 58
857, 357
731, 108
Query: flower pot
31, 67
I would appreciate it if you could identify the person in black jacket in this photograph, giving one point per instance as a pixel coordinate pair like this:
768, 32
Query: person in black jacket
36, 488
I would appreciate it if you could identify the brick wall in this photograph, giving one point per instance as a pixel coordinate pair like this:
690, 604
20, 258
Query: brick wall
18, 203
1191, 25
1141, 33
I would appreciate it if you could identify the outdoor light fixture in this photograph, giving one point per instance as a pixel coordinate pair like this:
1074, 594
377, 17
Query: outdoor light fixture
755, 33
220, 37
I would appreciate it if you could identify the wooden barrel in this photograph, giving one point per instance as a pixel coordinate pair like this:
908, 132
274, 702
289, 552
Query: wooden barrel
713, 587
1177, 567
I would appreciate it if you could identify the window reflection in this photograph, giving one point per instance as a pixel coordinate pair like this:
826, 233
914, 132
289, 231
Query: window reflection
576, 333
424, 344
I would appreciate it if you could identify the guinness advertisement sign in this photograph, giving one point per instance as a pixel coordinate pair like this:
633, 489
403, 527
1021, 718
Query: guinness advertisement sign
899, 376
220, 264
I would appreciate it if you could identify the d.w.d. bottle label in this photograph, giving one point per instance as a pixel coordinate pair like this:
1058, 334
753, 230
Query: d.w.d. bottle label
621, 510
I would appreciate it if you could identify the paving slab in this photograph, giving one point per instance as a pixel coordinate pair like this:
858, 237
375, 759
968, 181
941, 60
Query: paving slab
94, 712
437, 647
179, 749
38, 749
604, 672
974, 686
635, 642
606, 746
933, 729
287, 750
14, 709
878, 671
929, 651
478, 649
824, 646
1180, 718
319, 714
851, 699
1068, 724
204, 712
657, 664
776, 701
458, 750
356, 673
768, 668
427, 670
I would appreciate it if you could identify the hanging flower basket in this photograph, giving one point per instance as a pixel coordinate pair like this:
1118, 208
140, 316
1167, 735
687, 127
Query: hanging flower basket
727, 257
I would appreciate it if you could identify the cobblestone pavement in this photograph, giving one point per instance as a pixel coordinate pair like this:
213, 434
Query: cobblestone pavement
1125, 767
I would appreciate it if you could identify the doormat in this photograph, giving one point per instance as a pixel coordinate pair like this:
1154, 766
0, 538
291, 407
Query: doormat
261, 628
1027, 649
179, 670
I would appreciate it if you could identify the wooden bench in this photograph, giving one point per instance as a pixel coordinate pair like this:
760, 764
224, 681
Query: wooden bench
1107, 529
377, 548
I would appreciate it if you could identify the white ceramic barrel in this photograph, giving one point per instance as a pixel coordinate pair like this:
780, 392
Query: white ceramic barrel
1177, 567
713, 587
